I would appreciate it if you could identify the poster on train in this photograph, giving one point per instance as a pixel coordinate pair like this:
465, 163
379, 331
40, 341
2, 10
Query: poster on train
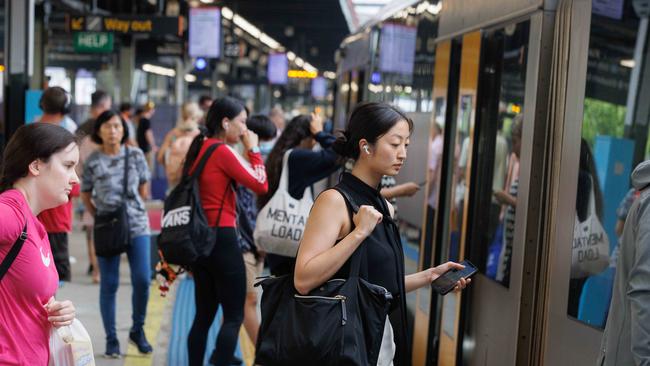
397, 49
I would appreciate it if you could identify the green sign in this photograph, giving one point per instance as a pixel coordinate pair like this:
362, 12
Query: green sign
98, 42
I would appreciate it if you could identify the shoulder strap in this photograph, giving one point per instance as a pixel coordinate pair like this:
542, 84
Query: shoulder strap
204, 160
353, 208
284, 175
13, 253
126, 171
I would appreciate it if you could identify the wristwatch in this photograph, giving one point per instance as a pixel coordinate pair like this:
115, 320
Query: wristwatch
254, 149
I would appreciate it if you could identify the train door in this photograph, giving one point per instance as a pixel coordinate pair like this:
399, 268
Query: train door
457, 198
497, 199
485, 200
427, 310
605, 135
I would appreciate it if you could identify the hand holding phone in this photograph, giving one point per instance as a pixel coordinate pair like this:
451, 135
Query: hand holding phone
446, 282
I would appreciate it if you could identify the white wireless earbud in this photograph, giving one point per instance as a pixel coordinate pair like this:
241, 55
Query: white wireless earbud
365, 148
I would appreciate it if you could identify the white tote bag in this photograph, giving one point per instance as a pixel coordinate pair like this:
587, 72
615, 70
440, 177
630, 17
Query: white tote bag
281, 222
590, 251
71, 346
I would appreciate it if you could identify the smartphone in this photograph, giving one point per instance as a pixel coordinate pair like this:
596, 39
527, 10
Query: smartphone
445, 283
421, 184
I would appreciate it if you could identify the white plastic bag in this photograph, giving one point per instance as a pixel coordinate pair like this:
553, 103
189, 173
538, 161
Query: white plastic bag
71, 346
281, 222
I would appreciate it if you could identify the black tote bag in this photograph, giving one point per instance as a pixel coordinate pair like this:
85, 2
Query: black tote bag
339, 323
111, 229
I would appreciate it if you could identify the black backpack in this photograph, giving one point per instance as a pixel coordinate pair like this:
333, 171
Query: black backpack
185, 235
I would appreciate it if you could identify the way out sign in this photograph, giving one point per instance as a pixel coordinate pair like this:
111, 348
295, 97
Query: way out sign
98, 42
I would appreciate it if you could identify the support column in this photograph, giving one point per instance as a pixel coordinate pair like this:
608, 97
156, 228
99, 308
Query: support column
20, 58
180, 83
638, 110
127, 67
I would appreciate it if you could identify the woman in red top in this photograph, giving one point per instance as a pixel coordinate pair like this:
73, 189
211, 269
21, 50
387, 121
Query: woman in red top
220, 279
37, 173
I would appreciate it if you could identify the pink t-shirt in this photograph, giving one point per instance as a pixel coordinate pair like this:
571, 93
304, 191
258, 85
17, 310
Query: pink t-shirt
28, 285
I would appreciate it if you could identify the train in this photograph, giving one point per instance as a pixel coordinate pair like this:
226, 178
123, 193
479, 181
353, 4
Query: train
529, 118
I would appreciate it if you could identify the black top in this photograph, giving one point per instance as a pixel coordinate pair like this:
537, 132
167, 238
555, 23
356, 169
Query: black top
143, 126
384, 261
307, 167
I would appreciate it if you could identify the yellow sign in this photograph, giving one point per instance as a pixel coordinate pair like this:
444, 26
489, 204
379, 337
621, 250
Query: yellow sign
302, 74
126, 24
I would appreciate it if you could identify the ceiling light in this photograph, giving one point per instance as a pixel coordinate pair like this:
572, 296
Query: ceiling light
207, 1
628, 63
227, 13
159, 70
291, 56
308, 67
299, 62
245, 25
435, 9
190, 78
329, 75
221, 84
267, 40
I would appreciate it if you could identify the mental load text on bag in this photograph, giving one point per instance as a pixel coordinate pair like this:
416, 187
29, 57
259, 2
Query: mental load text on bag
283, 222
588, 246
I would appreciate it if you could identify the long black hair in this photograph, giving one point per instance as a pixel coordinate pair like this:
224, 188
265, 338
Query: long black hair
297, 130
588, 181
368, 121
221, 108
36, 141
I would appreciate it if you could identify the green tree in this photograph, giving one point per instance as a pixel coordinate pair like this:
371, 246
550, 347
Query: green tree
602, 118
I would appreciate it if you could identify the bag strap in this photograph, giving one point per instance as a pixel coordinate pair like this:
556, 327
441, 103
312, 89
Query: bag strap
223, 202
284, 176
204, 160
126, 171
13, 252
353, 208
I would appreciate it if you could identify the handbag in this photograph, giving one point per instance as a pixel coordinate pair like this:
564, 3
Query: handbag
71, 346
281, 222
111, 229
590, 250
339, 323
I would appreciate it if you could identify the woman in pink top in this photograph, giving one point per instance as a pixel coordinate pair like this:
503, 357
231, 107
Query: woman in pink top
37, 173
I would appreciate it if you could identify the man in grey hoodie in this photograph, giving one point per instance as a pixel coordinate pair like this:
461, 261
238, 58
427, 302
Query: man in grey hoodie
626, 341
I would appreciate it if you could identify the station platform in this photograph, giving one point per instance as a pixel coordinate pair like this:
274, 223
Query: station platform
168, 318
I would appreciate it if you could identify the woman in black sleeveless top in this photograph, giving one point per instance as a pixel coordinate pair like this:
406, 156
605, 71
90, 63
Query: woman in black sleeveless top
376, 137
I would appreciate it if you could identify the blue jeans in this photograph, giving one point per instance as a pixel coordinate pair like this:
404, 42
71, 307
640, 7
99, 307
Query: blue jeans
109, 268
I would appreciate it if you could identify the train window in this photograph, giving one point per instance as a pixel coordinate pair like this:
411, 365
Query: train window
614, 140
498, 131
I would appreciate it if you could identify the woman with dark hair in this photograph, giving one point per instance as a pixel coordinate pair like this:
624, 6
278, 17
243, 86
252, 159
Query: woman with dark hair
376, 137
220, 279
34, 177
306, 167
102, 190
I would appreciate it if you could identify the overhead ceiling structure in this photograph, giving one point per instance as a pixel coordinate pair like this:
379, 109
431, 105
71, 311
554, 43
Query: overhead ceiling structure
312, 29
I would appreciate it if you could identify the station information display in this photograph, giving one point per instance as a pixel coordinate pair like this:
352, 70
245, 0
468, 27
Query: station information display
397, 49
278, 68
205, 32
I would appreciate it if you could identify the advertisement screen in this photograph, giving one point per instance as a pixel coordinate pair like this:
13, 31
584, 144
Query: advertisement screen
205, 32
397, 52
278, 68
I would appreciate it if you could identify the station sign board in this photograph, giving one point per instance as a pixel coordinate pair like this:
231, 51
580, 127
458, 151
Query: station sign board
126, 24
96, 42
